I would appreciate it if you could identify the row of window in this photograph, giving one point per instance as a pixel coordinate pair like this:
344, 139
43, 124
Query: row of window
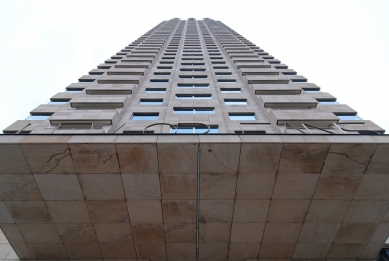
195, 129
193, 96
153, 116
222, 90
164, 81
193, 63
233, 116
191, 69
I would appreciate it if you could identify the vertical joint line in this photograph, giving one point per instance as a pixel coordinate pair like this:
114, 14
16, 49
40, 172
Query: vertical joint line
198, 203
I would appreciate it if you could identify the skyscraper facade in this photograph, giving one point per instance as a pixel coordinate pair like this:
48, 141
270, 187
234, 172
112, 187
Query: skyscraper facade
194, 76
267, 167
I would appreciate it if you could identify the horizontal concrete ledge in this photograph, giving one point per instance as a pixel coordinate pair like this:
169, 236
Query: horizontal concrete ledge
346, 137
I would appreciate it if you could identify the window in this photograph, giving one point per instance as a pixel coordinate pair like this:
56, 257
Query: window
299, 81
313, 91
144, 116
220, 67
226, 80
195, 129
150, 101
328, 102
159, 80
218, 62
37, 117
182, 110
235, 101
166, 62
230, 90
164, 67
223, 73
236, 116
192, 69
155, 90
346, 117
57, 102
138, 132
74, 90
193, 76
251, 132
192, 59
193, 85
193, 96
161, 73
192, 63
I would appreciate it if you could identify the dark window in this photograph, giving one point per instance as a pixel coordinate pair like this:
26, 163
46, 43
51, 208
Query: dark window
203, 110
226, 80
192, 69
192, 63
193, 85
161, 73
230, 90
138, 132
236, 116
159, 80
185, 59
251, 132
235, 101
150, 101
194, 76
193, 96
155, 90
144, 116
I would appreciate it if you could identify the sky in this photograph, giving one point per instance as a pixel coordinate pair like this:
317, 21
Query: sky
342, 46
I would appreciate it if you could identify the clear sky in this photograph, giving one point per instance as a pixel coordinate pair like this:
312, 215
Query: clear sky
342, 46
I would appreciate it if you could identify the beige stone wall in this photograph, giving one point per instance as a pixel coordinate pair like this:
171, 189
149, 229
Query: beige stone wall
128, 197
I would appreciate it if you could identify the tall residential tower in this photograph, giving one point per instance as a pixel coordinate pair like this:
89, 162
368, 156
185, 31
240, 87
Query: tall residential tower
193, 76
192, 142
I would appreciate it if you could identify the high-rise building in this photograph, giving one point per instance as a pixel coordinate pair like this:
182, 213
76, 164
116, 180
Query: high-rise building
268, 166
